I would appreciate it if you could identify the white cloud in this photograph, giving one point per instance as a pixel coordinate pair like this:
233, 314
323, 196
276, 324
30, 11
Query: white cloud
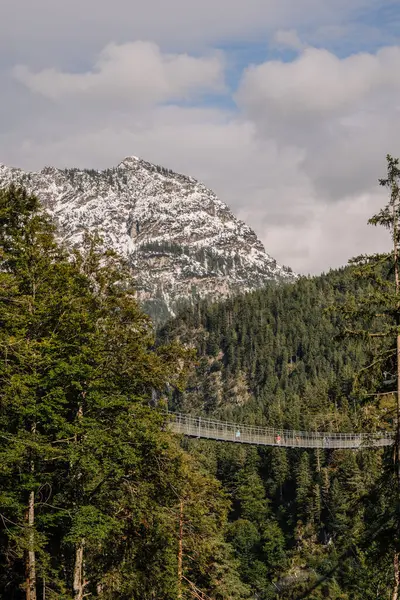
137, 72
317, 82
343, 113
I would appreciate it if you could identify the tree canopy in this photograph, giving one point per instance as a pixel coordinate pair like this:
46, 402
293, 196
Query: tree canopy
90, 484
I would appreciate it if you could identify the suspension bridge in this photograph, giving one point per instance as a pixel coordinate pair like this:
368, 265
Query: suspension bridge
204, 427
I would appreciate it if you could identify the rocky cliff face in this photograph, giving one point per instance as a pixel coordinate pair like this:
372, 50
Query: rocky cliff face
183, 243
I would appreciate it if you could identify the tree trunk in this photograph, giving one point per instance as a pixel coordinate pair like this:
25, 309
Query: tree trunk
78, 583
180, 551
395, 594
397, 283
398, 418
318, 460
78, 572
397, 461
99, 589
30, 555
397, 454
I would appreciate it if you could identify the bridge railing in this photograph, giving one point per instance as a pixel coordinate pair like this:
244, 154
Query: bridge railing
204, 427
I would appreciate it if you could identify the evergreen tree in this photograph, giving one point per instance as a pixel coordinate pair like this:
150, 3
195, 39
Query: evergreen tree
88, 478
375, 317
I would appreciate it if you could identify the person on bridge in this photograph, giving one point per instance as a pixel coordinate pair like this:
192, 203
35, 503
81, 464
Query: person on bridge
237, 434
278, 439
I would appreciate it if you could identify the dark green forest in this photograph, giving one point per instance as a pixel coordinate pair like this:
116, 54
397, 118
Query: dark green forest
298, 518
99, 500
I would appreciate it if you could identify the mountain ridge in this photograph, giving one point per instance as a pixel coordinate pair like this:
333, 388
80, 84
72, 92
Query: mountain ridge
182, 242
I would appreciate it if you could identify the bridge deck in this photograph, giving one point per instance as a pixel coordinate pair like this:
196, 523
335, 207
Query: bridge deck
203, 427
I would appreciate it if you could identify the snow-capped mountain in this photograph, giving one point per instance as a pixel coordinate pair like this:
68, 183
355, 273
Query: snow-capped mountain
180, 239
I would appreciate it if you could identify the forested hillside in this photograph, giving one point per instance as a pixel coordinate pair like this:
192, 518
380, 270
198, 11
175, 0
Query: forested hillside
279, 355
316, 523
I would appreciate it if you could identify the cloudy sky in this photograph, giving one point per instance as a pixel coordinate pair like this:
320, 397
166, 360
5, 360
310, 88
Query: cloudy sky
286, 108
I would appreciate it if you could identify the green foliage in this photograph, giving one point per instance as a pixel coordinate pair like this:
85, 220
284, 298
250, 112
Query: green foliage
299, 521
81, 450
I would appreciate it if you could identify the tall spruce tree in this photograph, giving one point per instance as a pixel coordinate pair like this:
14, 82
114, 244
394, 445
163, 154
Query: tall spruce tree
374, 316
36, 284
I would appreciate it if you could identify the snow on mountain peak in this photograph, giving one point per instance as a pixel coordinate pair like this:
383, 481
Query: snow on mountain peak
129, 162
183, 243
